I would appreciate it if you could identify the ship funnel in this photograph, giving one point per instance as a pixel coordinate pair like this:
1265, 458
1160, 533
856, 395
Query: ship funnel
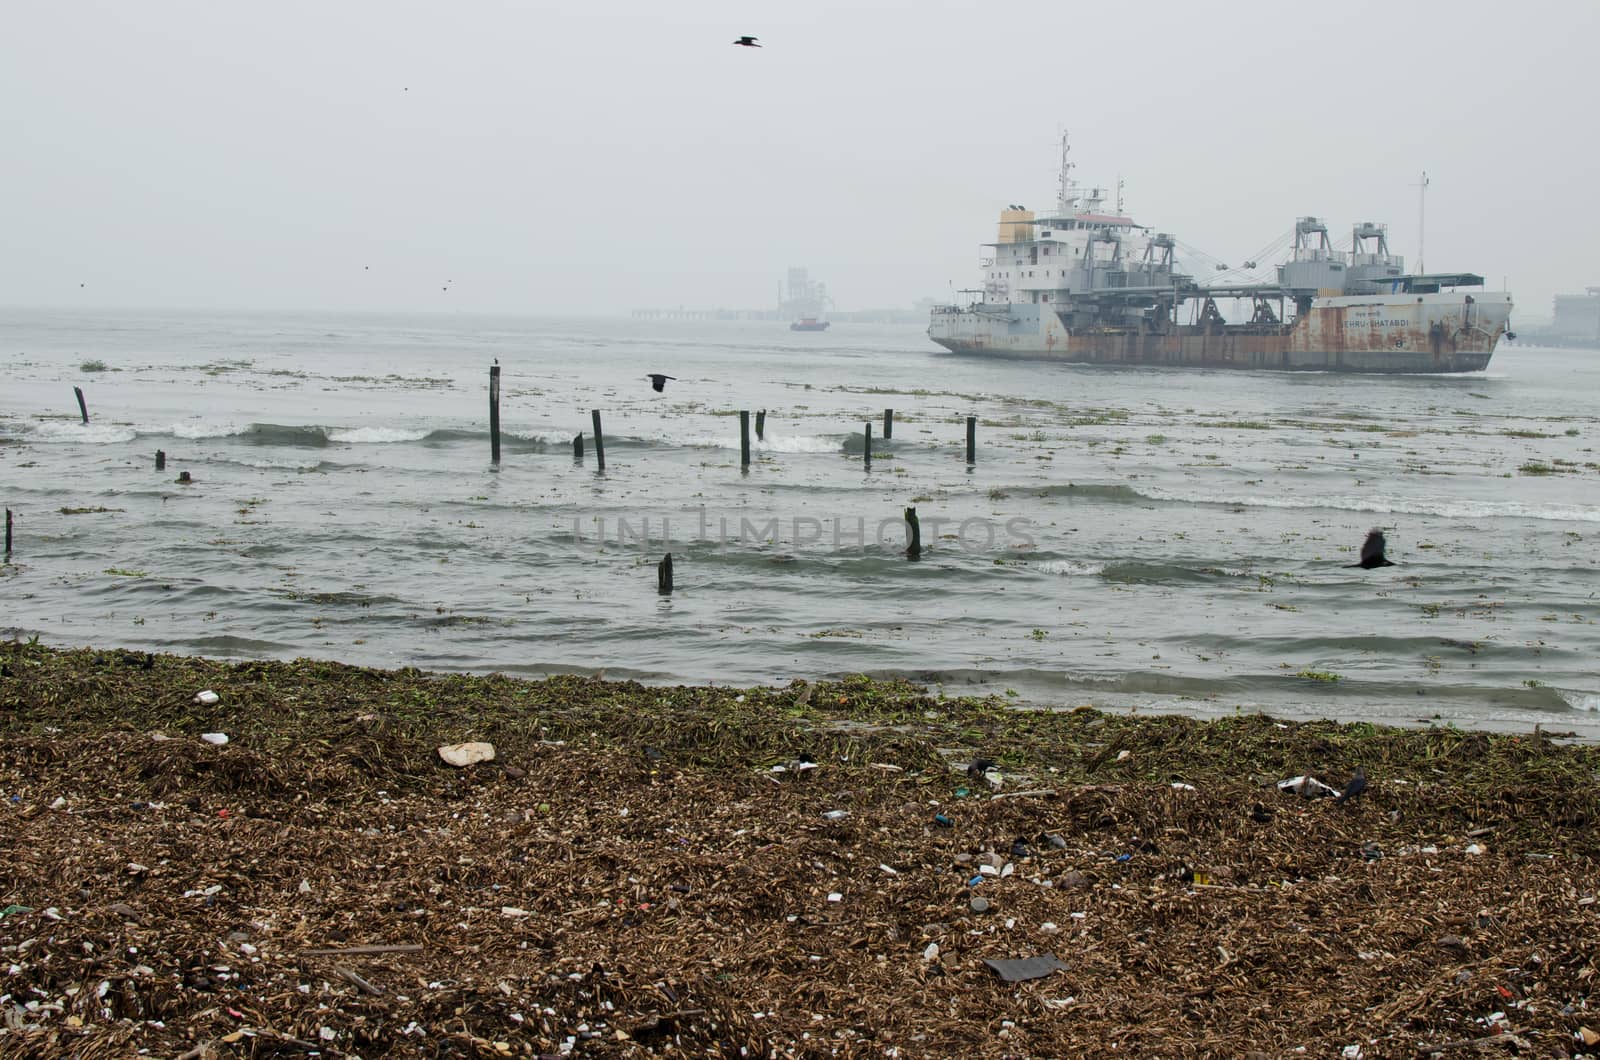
1016, 225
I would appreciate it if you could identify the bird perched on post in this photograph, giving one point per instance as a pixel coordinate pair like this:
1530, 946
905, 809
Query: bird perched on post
658, 382
747, 42
1372, 551
1358, 784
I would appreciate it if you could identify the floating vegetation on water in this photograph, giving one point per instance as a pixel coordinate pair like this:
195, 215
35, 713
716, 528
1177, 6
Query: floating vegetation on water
1318, 675
88, 511
123, 572
93, 365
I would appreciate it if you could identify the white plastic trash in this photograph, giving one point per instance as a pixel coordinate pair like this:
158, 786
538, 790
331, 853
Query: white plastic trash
218, 738
207, 698
466, 754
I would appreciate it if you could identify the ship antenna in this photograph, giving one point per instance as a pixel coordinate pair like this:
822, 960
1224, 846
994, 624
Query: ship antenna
1067, 196
1422, 203
1119, 194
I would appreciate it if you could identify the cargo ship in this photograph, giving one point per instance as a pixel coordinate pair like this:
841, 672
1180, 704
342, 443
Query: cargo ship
809, 324
1084, 283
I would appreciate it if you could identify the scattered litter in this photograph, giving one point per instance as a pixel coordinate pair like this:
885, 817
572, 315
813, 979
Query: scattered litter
218, 738
59, 803
207, 698
466, 754
932, 952
979, 905
942, 821
1123, 756
1024, 968
1179, 785
1307, 786
1475, 848
835, 815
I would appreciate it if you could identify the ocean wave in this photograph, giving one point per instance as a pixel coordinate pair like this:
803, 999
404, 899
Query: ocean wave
800, 443
195, 431
86, 433
1581, 700
374, 435
1467, 510
1068, 567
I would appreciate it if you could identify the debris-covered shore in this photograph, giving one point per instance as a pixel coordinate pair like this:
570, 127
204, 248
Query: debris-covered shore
630, 876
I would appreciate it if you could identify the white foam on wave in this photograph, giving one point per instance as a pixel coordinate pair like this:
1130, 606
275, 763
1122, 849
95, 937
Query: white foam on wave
86, 433
198, 430
1582, 701
542, 437
376, 435
802, 443
1068, 567
1577, 513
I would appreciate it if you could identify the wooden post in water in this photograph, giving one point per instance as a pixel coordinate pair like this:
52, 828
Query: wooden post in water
866, 448
577, 447
664, 576
494, 413
761, 425
161, 460
744, 440
888, 424
8, 533
972, 439
83, 407
599, 442
913, 531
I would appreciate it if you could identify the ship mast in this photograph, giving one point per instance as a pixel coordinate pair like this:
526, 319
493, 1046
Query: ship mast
1422, 202
1067, 196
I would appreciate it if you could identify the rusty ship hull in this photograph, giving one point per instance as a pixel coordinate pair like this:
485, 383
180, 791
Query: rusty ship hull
1416, 334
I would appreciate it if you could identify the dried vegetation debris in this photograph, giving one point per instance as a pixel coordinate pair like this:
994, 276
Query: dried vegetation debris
629, 877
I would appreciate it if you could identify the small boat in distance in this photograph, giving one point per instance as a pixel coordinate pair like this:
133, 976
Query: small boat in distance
809, 324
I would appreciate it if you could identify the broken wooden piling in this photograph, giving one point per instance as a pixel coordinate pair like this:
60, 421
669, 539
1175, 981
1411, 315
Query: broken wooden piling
494, 413
599, 443
664, 576
744, 439
577, 447
83, 407
761, 425
8, 533
866, 447
972, 439
888, 424
914, 533
161, 460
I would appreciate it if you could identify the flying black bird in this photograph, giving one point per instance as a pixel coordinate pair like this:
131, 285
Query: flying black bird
1358, 784
747, 42
658, 382
1372, 552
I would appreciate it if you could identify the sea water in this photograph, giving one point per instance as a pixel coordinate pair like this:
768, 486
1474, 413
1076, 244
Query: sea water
1132, 538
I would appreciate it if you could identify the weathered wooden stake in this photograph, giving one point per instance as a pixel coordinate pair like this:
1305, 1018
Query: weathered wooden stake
8, 533
888, 424
577, 447
972, 439
599, 442
914, 531
761, 425
494, 413
161, 460
664, 576
83, 407
184, 479
744, 439
866, 447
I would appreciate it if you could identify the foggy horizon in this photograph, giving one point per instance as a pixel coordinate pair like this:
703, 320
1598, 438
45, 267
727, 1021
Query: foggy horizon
495, 159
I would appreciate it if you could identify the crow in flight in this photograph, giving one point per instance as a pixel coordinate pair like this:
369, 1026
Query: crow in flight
747, 42
658, 382
1372, 552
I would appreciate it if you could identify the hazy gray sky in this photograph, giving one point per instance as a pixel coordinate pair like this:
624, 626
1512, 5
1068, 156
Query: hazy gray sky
558, 157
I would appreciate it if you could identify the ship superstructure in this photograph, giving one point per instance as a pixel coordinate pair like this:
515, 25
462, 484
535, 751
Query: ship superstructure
1086, 283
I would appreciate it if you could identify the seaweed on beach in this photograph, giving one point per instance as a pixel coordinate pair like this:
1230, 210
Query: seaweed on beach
630, 875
